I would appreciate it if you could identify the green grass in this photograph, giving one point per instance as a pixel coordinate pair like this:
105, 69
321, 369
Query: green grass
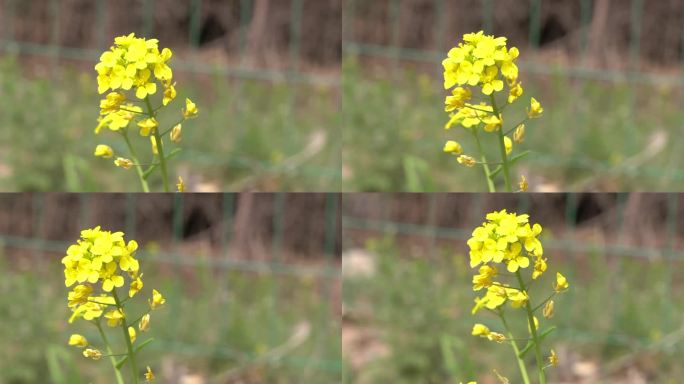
249, 134
224, 326
594, 135
620, 313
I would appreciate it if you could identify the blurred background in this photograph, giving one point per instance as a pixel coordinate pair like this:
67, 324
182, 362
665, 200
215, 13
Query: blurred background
408, 294
252, 283
608, 73
264, 74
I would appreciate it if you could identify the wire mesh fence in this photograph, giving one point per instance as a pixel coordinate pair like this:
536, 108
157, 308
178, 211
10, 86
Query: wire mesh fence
584, 50
270, 93
616, 247
251, 282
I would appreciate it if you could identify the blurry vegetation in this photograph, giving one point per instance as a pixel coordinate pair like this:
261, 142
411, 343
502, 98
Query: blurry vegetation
250, 134
226, 326
594, 135
621, 319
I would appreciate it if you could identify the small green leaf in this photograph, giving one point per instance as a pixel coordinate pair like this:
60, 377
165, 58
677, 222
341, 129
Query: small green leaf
530, 343
511, 161
121, 362
143, 344
152, 167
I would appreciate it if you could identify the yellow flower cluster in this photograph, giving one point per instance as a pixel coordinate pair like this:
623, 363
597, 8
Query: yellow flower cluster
510, 240
137, 65
480, 60
130, 63
99, 264
483, 64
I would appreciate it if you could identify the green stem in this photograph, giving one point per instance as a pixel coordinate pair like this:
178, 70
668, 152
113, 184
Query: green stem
490, 183
127, 338
502, 147
160, 146
119, 379
521, 363
533, 330
138, 167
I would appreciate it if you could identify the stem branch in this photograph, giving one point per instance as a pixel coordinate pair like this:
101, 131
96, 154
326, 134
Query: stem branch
533, 330
485, 166
119, 379
160, 146
502, 147
521, 363
127, 338
138, 167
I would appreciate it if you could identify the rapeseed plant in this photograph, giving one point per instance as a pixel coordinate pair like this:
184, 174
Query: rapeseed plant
98, 264
478, 70
132, 69
508, 241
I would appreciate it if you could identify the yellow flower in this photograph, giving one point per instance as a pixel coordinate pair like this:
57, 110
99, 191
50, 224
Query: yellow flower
480, 330
147, 125
548, 309
180, 185
144, 323
123, 163
157, 299
176, 133
522, 184
135, 287
508, 144
539, 267
535, 109
484, 278
114, 317
92, 354
131, 334
111, 102
118, 119
169, 93
514, 92
466, 160
553, 358
561, 283
190, 109
519, 134
453, 147
149, 376
457, 99
517, 297
104, 151
517, 262
79, 295
145, 89
78, 340
492, 123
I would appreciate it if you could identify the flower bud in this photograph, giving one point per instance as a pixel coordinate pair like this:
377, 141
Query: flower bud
548, 309
144, 323
78, 341
190, 109
176, 133
453, 147
104, 151
519, 134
